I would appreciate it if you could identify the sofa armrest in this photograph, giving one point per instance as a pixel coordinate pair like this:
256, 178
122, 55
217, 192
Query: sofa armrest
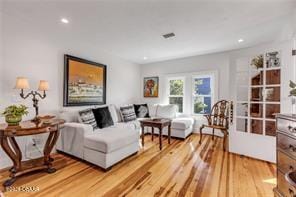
71, 138
80, 128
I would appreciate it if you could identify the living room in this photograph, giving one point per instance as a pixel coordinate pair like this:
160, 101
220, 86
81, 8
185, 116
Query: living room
147, 98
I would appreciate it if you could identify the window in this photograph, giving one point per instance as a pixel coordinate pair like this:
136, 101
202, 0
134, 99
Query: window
176, 92
203, 93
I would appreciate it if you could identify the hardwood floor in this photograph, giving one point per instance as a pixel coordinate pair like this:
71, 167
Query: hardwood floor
183, 168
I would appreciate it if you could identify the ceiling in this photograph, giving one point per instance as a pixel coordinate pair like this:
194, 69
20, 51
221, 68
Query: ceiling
132, 29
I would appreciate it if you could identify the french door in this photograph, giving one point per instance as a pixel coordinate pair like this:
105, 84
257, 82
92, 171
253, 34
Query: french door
257, 98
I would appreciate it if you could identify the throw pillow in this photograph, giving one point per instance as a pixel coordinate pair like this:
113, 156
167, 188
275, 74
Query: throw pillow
142, 111
128, 113
103, 117
87, 117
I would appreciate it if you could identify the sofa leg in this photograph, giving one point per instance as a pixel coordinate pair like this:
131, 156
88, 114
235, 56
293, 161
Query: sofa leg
213, 133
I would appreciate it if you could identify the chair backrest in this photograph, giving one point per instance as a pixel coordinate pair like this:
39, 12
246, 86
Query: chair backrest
220, 114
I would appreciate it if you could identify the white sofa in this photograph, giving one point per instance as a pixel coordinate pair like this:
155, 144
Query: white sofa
182, 125
106, 147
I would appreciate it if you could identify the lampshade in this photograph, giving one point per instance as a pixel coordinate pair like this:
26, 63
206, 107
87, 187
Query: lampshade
43, 85
22, 83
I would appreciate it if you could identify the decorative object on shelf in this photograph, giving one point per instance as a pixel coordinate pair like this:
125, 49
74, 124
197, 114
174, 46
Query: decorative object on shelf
13, 114
257, 61
84, 82
293, 96
272, 59
22, 83
151, 86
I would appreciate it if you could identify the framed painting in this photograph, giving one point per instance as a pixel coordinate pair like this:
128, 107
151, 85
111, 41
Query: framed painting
84, 82
151, 86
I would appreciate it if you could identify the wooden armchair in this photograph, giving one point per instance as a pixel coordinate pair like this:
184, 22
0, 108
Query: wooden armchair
221, 115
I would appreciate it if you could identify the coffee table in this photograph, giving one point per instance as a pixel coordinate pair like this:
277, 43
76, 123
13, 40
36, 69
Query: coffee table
156, 123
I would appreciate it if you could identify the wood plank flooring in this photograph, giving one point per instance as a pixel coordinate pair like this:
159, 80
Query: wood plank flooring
183, 168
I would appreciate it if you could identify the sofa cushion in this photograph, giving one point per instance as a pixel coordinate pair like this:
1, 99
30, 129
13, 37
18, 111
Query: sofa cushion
110, 139
152, 109
128, 113
166, 111
87, 117
103, 117
134, 125
182, 123
141, 110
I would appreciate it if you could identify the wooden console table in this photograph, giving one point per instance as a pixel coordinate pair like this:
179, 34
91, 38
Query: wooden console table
157, 123
11, 148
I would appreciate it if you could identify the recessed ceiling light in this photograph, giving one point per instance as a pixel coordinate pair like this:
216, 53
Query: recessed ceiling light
64, 20
145, 58
240, 40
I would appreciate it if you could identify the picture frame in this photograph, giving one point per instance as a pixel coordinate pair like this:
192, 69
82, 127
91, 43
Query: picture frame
84, 82
151, 87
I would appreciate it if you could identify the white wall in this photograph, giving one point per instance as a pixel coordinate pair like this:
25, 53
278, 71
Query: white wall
218, 62
1, 57
224, 64
35, 54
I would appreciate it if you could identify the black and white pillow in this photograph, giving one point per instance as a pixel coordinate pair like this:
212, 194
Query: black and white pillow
128, 113
103, 117
87, 117
141, 110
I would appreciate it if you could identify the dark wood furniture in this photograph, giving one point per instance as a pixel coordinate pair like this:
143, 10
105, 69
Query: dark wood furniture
11, 148
219, 119
156, 123
286, 155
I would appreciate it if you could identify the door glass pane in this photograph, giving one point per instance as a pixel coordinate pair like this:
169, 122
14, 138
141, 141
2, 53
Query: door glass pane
177, 101
242, 109
256, 78
242, 79
271, 110
242, 94
257, 62
242, 125
256, 110
256, 94
273, 94
202, 105
273, 77
257, 126
272, 59
270, 128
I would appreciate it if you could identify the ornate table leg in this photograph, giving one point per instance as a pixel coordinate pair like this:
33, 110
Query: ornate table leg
160, 138
14, 154
142, 135
51, 141
152, 128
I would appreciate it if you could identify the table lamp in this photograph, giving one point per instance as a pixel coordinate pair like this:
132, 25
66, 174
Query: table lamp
22, 84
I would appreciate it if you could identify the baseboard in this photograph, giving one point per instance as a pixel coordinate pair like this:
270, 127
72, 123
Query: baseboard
6, 162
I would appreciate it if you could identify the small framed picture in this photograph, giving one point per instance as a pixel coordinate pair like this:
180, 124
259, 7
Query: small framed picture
151, 85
